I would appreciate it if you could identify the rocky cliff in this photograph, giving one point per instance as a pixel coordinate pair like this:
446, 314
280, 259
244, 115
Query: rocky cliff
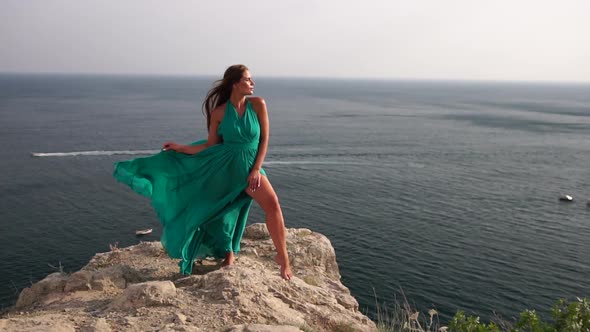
139, 289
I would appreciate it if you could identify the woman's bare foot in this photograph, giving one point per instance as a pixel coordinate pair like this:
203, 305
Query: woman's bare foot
229, 259
285, 268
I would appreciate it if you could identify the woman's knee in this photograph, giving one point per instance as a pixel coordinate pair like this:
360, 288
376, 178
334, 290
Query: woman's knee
272, 204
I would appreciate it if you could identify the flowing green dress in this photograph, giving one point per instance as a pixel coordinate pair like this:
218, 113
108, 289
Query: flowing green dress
200, 199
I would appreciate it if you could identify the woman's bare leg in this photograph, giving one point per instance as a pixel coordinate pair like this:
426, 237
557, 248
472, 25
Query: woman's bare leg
266, 197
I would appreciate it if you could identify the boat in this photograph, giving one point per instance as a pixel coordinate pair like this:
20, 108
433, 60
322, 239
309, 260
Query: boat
143, 231
566, 198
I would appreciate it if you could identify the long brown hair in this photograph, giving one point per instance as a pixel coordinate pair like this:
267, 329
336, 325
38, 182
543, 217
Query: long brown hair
221, 90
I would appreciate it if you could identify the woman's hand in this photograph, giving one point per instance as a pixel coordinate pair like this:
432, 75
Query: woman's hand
254, 180
172, 146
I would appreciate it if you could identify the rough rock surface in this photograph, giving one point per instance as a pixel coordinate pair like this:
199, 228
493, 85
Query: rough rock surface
139, 289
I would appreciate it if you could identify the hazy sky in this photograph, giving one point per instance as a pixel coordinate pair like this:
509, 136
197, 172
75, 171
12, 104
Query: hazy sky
435, 39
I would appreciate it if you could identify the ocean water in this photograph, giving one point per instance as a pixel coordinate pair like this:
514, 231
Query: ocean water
446, 190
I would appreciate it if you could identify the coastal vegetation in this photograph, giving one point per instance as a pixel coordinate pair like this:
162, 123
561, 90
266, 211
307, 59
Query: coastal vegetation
566, 316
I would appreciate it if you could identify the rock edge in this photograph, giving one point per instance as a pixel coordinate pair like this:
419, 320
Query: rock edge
138, 288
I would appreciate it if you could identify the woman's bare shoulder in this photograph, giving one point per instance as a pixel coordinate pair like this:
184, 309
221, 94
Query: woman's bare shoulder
257, 100
258, 103
217, 115
218, 111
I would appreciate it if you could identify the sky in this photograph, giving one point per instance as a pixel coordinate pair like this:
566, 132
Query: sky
514, 40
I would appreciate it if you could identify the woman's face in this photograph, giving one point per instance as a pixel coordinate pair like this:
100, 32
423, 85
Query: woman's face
246, 85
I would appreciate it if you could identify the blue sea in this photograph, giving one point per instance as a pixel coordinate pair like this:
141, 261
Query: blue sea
445, 190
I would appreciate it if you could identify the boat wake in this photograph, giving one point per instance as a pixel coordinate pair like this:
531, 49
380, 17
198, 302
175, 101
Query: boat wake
151, 152
304, 162
94, 153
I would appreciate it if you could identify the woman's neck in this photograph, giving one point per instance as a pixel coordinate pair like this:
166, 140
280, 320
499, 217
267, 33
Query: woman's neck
238, 100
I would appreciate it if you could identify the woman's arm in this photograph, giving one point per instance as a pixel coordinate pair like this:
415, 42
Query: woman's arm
260, 108
216, 117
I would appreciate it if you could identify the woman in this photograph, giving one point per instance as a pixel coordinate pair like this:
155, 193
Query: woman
202, 192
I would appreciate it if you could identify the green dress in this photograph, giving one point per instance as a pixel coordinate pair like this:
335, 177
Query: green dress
200, 199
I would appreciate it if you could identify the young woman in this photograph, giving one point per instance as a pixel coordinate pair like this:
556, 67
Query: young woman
202, 192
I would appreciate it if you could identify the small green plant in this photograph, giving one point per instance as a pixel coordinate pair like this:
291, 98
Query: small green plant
573, 316
529, 321
462, 323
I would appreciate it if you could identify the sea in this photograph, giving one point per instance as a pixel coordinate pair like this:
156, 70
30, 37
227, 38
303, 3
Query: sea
444, 194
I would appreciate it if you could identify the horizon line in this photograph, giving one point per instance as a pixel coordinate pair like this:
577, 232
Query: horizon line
301, 77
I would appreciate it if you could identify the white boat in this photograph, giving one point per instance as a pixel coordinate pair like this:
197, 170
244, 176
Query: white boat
143, 231
566, 198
